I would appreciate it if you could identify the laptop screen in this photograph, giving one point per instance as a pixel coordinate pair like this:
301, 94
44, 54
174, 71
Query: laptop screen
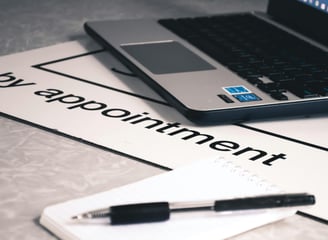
308, 17
317, 4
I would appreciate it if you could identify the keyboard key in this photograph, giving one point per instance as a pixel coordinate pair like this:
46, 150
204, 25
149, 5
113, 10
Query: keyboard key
271, 87
322, 89
279, 96
304, 92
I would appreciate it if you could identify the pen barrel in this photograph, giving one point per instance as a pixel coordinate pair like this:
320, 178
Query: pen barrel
139, 213
264, 202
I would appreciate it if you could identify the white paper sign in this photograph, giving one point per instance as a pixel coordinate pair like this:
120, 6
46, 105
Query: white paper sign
79, 90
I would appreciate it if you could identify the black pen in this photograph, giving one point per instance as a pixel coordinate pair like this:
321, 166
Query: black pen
160, 211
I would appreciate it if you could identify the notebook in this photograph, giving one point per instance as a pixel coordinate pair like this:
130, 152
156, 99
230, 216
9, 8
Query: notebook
233, 67
199, 181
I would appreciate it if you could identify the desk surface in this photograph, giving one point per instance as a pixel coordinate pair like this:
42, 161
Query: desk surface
39, 168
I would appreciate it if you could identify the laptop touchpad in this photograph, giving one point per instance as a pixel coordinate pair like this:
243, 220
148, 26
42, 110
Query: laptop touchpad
166, 57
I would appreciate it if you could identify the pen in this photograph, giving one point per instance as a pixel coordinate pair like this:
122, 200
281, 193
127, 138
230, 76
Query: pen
160, 211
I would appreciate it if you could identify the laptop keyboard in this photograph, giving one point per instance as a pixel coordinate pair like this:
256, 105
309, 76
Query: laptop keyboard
264, 55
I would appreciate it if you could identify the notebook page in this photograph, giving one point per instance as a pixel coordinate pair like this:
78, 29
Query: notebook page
201, 181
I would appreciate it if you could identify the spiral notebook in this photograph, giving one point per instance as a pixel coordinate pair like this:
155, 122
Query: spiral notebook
200, 181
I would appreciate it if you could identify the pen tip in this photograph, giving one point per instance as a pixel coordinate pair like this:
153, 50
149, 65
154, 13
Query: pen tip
77, 217
93, 214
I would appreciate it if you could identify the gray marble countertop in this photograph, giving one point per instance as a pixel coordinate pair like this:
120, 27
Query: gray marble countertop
38, 168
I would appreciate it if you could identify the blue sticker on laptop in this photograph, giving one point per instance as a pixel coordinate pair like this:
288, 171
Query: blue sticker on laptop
240, 89
247, 97
241, 93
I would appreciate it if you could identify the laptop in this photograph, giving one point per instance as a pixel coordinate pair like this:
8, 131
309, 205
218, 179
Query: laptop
230, 68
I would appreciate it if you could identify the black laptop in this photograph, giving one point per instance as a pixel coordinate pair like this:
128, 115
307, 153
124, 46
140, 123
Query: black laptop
233, 67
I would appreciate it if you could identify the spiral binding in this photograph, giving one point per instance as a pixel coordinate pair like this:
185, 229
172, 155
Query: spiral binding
228, 164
